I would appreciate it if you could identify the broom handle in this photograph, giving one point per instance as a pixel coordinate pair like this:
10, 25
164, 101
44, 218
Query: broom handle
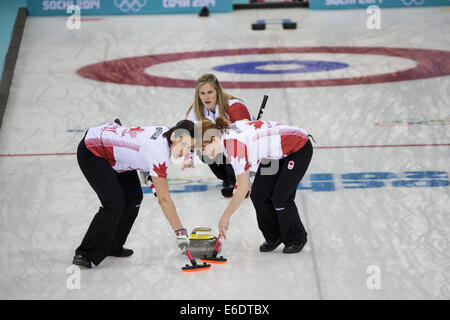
191, 257
261, 109
216, 248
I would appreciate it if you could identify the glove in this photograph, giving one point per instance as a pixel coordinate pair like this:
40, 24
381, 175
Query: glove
182, 239
145, 175
147, 179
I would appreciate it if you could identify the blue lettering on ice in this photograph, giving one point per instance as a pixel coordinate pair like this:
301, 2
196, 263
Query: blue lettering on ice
371, 180
186, 188
319, 183
327, 182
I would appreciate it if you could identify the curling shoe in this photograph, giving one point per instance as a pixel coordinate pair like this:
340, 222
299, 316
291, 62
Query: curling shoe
269, 246
294, 248
227, 190
122, 253
81, 261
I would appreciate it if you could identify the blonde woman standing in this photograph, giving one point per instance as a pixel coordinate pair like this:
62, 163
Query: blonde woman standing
210, 102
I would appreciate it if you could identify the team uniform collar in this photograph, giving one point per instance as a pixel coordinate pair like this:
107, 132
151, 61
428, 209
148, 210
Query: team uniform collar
208, 112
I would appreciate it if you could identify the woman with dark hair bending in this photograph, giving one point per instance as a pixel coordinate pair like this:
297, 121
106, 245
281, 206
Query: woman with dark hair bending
288, 151
109, 156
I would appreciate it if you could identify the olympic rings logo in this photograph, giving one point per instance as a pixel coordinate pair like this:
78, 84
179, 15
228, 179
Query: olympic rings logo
411, 2
127, 5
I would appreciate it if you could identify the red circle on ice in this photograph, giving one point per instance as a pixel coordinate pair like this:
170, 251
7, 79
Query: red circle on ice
131, 71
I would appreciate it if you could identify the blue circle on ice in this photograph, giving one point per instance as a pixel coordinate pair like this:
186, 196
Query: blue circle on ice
304, 66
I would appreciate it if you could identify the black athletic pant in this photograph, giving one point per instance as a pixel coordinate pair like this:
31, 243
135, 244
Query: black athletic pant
220, 168
120, 195
273, 197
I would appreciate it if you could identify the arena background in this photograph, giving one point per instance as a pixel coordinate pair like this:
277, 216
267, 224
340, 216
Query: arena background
372, 89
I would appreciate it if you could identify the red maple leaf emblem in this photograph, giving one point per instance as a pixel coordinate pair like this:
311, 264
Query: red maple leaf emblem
111, 129
134, 131
258, 124
161, 170
237, 149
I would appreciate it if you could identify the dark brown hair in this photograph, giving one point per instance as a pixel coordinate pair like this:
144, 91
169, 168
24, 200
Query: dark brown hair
180, 128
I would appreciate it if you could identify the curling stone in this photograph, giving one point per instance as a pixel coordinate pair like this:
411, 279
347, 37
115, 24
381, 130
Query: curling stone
202, 242
289, 25
258, 26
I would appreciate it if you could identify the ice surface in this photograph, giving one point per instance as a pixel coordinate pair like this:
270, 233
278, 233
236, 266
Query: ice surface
399, 222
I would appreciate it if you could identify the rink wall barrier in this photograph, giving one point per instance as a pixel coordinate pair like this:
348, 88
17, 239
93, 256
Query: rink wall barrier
359, 4
271, 5
10, 59
111, 7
